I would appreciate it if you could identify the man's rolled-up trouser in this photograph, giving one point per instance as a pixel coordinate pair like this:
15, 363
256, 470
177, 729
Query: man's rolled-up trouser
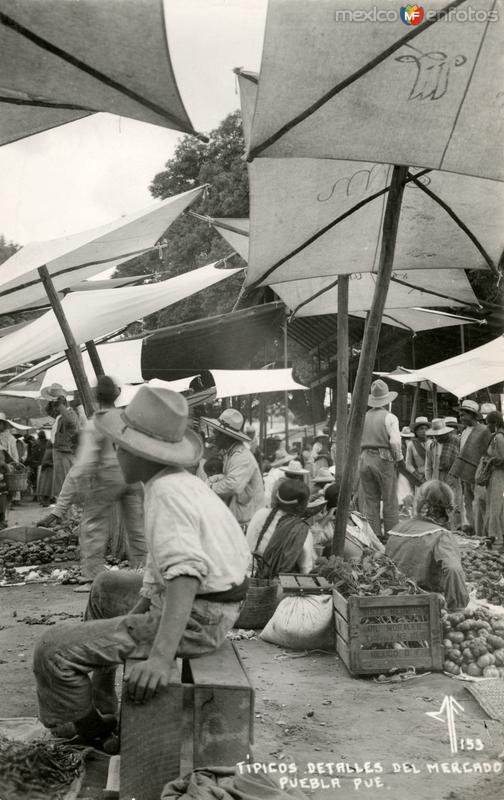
104, 490
475, 506
66, 654
62, 464
379, 484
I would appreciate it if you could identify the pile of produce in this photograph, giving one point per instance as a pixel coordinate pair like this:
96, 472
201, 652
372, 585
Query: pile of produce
375, 574
485, 569
37, 770
60, 547
474, 643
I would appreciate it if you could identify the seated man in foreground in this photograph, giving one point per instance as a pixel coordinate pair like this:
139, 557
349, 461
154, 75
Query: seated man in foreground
189, 596
425, 550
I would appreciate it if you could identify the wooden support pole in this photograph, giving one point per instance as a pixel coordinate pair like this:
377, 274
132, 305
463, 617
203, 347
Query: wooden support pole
95, 358
434, 401
414, 407
462, 339
368, 353
72, 352
286, 394
342, 379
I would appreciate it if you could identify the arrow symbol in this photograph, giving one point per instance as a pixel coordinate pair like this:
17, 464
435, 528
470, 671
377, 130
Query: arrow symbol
446, 714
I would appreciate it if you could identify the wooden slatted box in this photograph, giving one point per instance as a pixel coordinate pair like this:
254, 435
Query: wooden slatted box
294, 584
204, 718
367, 626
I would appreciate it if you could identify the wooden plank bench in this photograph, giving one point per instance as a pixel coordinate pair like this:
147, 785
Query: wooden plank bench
209, 696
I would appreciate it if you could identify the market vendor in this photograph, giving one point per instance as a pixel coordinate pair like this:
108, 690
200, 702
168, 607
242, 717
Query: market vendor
424, 549
241, 486
188, 597
279, 538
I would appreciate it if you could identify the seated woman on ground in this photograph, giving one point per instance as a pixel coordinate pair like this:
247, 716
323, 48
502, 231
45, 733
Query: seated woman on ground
278, 537
424, 549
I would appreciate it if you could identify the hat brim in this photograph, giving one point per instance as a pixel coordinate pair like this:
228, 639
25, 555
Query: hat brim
316, 505
420, 425
376, 402
292, 472
322, 480
45, 395
469, 411
281, 461
186, 453
442, 432
216, 425
408, 435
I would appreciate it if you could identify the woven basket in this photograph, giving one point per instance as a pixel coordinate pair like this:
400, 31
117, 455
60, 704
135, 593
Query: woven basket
17, 481
260, 604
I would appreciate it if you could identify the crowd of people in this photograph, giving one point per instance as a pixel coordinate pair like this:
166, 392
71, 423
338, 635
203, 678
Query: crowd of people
203, 513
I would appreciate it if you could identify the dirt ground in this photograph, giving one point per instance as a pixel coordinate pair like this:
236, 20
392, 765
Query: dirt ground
309, 712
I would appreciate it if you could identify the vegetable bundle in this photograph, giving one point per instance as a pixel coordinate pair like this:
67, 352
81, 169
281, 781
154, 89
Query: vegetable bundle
484, 569
37, 769
375, 574
474, 643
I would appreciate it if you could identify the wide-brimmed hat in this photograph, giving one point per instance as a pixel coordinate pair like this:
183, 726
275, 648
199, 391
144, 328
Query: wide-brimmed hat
487, 408
316, 504
17, 425
438, 428
321, 435
294, 468
53, 391
469, 405
230, 422
281, 457
380, 395
451, 421
154, 426
420, 421
407, 433
323, 476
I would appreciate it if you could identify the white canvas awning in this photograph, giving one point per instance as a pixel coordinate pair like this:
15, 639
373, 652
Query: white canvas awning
236, 382
467, 373
415, 320
408, 377
298, 225
335, 87
110, 311
407, 290
81, 255
121, 360
235, 232
61, 60
298, 207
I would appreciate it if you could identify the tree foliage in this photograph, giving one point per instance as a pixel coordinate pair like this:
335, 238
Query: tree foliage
190, 242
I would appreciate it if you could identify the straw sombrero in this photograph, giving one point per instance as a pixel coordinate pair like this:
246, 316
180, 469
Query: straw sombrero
154, 426
230, 422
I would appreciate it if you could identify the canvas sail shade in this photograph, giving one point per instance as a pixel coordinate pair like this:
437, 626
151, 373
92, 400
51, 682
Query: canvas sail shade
66, 59
447, 288
111, 310
81, 255
294, 203
235, 232
337, 83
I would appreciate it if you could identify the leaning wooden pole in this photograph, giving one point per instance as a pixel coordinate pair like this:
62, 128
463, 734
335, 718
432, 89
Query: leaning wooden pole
368, 353
95, 359
342, 375
72, 352
286, 394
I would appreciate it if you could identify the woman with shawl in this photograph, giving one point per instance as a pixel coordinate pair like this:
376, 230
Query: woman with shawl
278, 537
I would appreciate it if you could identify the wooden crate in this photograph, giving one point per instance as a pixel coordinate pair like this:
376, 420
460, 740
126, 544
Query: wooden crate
210, 701
420, 622
294, 584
